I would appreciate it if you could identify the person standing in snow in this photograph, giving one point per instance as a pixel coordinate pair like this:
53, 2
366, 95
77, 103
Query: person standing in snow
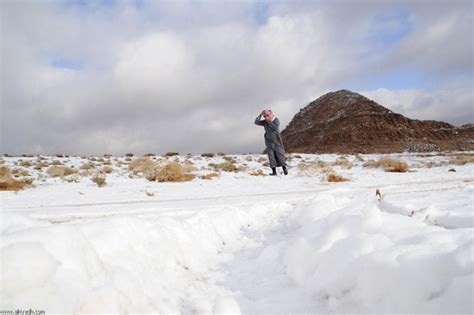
273, 142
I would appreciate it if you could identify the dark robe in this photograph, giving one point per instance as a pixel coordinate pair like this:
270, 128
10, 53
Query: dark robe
273, 142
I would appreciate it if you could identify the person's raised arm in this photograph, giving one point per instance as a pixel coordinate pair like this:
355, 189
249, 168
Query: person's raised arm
258, 120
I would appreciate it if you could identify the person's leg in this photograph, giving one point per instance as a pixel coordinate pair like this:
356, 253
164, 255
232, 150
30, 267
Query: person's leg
281, 160
272, 161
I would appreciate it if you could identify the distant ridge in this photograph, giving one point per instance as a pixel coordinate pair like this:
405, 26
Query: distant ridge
347, 122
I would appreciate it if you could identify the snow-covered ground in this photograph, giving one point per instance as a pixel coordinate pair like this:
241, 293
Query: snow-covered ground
243, 244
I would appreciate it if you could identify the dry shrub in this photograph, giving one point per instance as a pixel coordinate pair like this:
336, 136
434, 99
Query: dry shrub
311, 167
249, 158
40, 164
257, 173
266, 164
171, 153
210, 176
208, 154
343, 163
128, 159
60, 171
225, 166
188, 168
107, 162
72, 179
99, 179
143, 165
462, 159
334, 178
431, 164
93, 159
261, 159
56, 162
220, 153
20, 172
229, 159
170, 172
107, 169
8, 183
100, 160
359, 158
388, 164
25, 163
128, 154
88, 166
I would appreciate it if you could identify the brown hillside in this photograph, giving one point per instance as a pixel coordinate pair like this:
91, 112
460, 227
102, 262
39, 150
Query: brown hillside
347, 122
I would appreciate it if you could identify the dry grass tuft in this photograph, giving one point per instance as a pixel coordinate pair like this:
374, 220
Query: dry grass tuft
462, 159
208, 154
225, 166
261, 159
99, 179
312, 167
343, 163
229, 159
170, 172
334, 178
248, 158
8, 183
107, 169
388, 164
56, 162
171, 154
88, 166
25, 163
257, 173
143, 165
60, 171
210, 176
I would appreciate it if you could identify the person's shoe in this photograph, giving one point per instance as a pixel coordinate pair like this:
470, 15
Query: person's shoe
274, 171
285, 170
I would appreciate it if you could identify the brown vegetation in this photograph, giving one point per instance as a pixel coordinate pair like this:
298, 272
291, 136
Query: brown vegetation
170, 172
210, 176
171, 153
8, 183
225, 166
257, 173
143, 165
388, 164
462, 159
99, 179
60, 171
334, 178
208, 154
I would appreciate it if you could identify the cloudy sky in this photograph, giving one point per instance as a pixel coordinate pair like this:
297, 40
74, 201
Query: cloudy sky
106, 76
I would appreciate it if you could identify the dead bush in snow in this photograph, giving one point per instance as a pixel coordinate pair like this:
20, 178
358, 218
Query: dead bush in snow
56, 162
171, 154
248, 158
169, 172
99, 179
334, 178
311, 167
88, 166
60, 171
388, 164
107, 169
142, 165
209, 176
208, 154
257, 173
8, 183
462, 159
343, 163
225, 166
25, 163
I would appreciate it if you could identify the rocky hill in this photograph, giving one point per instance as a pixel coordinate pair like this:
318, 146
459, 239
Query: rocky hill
347, 122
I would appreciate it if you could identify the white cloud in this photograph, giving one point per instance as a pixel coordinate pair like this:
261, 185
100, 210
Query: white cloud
191, 76
454, 106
